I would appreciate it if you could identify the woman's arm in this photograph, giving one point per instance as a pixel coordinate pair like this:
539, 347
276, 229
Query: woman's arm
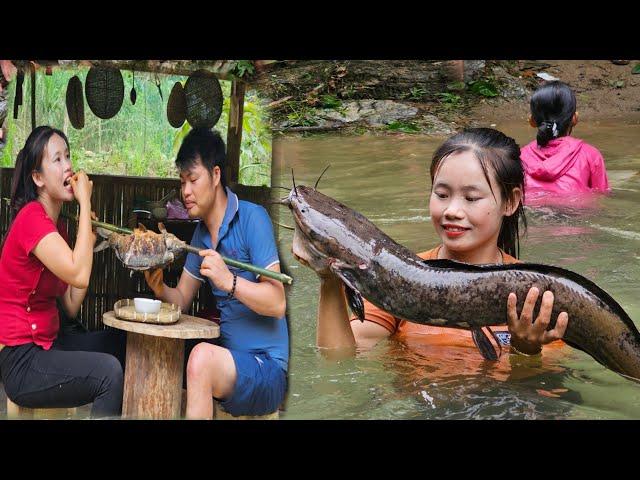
72, 266
599, 180
335, 330
72, 299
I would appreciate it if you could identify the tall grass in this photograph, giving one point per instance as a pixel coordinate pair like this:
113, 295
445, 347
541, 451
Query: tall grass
138, 141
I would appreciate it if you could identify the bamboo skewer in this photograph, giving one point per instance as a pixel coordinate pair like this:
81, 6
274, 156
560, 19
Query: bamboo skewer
281, 277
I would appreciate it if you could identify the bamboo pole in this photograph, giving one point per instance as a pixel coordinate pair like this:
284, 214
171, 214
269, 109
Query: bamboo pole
281, 277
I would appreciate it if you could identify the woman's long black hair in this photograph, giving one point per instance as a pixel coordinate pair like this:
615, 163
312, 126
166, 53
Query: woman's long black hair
552, 107
23, 189
29, 159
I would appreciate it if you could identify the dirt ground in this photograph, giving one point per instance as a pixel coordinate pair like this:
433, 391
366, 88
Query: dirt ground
603, 89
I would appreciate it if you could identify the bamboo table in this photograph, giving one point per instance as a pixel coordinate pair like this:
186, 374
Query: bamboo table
155, 362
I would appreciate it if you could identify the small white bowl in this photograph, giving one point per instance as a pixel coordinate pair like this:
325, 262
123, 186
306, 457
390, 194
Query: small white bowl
146, 305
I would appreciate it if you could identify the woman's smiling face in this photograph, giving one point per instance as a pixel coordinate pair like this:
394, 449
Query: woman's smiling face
464, 211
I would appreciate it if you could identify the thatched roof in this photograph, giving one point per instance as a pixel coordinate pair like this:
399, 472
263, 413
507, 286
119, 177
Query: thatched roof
222, 69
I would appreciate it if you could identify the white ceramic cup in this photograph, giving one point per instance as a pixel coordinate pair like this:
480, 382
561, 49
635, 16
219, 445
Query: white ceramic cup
146, 305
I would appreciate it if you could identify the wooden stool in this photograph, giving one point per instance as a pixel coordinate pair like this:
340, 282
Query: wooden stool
16, 412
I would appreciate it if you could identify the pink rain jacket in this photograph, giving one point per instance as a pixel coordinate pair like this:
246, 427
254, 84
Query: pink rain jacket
565, 164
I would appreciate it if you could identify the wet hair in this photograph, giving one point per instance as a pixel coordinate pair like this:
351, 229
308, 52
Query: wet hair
552, 107
208, 146
29, 159
500, 154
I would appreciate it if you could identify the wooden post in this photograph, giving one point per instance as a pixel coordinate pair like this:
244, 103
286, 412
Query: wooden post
33, 96
158, 393
234, 132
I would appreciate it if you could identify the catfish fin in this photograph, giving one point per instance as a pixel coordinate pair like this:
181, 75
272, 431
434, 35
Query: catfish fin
101, 246
103, 232
354, 298
497, 339
487, 350
355, 301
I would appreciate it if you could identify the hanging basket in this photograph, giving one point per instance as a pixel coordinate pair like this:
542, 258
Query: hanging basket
104, 89
75, 102
204, 99
177, 106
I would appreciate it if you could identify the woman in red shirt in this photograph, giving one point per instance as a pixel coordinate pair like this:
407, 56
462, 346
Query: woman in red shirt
37, 266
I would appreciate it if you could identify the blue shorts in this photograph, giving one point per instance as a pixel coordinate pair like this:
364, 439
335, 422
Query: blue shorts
261, 385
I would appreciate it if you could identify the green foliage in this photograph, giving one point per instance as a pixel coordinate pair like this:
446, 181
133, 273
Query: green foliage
450, 99
300, 114
331, 101
485, 88
456, 86
416, 93
243, 67
348, 92
403, 126
636, 69
138, 140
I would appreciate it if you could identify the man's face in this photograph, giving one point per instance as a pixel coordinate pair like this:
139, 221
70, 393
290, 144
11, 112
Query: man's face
197, 185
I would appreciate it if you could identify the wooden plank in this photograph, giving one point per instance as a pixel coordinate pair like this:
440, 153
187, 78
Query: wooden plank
187, 327
234, 132
33, 97
221, 69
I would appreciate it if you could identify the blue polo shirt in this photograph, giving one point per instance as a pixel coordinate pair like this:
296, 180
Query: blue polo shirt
246, 235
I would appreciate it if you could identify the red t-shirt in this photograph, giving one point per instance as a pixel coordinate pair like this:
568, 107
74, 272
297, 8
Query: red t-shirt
28, 310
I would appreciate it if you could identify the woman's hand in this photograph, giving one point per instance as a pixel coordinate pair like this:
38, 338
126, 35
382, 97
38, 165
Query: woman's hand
528, 336
82, 188
214, 268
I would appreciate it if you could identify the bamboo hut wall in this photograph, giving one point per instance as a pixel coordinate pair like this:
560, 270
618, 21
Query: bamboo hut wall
113, 201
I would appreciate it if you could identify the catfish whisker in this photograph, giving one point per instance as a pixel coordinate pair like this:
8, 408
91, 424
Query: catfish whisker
325, 169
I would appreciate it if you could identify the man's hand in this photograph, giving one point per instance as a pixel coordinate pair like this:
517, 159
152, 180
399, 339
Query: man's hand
155, 280
214, 268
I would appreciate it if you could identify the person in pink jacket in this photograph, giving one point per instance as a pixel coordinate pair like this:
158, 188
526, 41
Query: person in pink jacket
557, 163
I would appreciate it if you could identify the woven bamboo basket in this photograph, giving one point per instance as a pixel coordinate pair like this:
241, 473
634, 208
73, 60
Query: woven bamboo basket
125, 310
75, 102
204, 99
104, 90
177, 106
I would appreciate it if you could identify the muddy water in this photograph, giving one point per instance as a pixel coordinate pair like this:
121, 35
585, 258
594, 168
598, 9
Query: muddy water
386, 179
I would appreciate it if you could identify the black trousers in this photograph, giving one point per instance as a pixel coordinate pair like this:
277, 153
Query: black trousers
78, 369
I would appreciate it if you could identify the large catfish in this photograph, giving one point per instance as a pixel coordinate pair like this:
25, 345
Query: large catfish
446, 293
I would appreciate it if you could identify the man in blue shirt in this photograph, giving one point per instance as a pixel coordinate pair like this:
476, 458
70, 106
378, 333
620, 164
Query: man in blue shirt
246, 370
